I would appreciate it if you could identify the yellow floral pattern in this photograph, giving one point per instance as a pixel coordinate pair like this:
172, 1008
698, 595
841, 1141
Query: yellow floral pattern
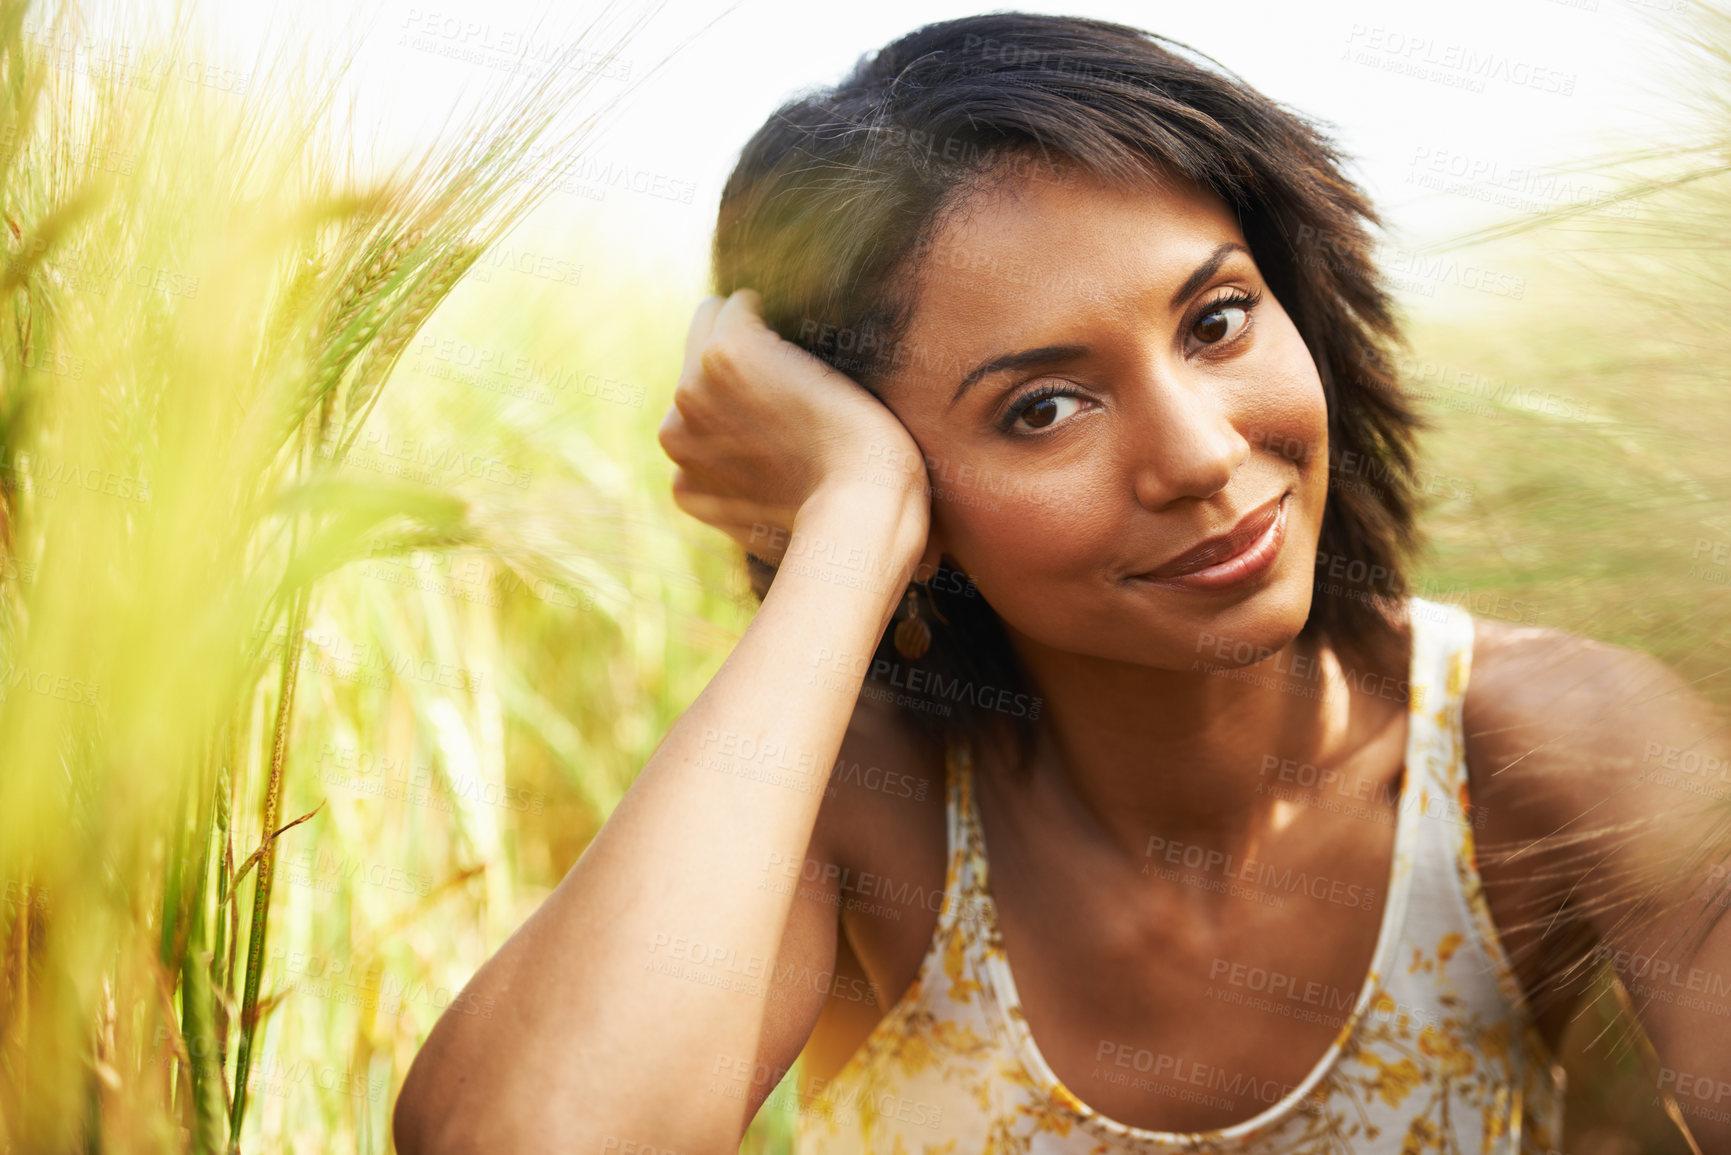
1439, 1054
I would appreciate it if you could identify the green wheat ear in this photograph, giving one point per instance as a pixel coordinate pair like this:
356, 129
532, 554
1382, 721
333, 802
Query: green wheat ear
228, 628
199, 316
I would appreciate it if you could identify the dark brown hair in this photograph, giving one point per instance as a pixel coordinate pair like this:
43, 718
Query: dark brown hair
837, 197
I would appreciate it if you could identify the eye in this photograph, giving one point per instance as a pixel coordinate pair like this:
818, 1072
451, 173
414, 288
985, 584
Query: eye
1222, 321
1041, 409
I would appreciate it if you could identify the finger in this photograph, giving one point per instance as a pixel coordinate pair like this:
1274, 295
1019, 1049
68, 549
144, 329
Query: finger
669, 428
744, 304
750, 341
731, 515
741, 313
702, 324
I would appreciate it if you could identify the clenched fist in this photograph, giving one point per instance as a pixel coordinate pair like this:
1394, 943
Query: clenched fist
758, 427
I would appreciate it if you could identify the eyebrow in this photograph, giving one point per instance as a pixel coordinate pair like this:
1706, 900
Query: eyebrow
1050, 354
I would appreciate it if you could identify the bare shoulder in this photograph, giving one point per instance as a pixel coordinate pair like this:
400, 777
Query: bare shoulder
1539, 673
1554, 683
1556, 723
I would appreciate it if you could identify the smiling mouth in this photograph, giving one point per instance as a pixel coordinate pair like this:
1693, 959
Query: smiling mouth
1248, 551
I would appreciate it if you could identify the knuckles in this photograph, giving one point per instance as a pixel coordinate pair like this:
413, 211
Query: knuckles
723, 357
682, 490
671, 434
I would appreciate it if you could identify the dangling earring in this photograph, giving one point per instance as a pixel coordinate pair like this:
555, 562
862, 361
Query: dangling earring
914, 637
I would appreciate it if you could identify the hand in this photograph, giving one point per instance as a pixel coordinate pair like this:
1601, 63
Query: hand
758, 426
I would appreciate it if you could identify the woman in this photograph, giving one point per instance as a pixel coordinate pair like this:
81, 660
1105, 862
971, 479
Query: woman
1085, 337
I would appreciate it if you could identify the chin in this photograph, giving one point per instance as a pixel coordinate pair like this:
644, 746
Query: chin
1251, 630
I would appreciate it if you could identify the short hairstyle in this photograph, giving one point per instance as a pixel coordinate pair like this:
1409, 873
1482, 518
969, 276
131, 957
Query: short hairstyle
836, 199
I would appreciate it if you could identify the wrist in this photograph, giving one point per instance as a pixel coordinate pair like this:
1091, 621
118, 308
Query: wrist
862, 528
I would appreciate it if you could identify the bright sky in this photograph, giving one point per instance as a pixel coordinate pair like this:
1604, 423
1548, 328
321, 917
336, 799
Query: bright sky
1450, 110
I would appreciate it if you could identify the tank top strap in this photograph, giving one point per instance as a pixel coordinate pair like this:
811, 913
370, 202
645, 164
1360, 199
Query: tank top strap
1442, 641
964, 868
1450, 629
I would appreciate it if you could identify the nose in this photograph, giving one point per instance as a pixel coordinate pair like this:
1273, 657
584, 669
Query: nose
1183, 442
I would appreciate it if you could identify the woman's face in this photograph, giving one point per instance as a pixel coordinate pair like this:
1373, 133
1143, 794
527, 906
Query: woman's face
1122, 404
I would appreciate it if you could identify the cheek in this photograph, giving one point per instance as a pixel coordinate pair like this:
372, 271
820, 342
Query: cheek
1284, 412
1034, 534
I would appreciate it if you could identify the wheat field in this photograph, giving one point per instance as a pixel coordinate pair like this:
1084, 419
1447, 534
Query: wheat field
341, 594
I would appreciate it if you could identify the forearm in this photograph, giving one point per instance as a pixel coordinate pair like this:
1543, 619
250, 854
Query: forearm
589, 1037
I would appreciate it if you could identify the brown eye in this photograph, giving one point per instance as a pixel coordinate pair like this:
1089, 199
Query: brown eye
1041, 413
1041, 409
1219, 323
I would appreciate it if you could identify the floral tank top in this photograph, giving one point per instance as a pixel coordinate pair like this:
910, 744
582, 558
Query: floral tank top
1438, 1053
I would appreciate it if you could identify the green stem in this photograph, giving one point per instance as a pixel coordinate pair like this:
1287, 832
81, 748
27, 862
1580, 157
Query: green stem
267, 861
197, 1003
222, 951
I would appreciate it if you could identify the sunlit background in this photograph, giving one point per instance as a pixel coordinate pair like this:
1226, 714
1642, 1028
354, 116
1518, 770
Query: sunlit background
1514, 90
337, 498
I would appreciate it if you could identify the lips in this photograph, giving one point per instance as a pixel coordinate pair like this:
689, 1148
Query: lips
1218, 549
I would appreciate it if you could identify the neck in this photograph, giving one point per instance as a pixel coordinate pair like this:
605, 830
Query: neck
1187, 755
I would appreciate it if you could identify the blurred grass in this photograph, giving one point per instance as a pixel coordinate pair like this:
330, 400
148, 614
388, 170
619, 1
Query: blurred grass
503, 612
1581, 463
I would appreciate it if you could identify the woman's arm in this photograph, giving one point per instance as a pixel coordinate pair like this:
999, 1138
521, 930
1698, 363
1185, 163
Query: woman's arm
1615, 775
613, 1003
628, 1004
